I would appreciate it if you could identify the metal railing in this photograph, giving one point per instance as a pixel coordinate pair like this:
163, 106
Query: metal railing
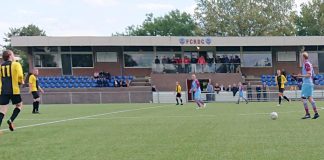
197, 68
269, 96
156, 97
91, 97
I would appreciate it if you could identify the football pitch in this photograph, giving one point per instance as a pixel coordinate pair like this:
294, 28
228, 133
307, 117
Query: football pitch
224, 131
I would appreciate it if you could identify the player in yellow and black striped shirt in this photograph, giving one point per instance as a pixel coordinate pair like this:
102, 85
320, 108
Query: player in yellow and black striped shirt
34, 89
11, 76
178, 92
281, 80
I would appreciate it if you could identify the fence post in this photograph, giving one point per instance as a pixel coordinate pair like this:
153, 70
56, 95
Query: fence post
41, 99
158, 94
71, 97
100, 97
129, 97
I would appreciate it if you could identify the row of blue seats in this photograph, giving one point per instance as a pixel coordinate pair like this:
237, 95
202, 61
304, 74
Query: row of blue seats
270, 80
75, 85
68, 81
82, 78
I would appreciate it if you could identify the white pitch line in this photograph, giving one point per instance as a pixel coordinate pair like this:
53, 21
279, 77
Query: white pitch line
128, 117
84, 117
249, 114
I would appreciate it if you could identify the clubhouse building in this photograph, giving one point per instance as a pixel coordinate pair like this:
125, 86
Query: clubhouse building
142, 56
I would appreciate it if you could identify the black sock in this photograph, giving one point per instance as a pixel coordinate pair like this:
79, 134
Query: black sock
177, 100
1, 117
34, 107
37, 106
286, 98
279, 99
181, 100
14, 114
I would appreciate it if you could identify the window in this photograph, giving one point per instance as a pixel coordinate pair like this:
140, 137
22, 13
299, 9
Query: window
47, 60
286, 56
82, 60
106, 56
257, 59
138, 59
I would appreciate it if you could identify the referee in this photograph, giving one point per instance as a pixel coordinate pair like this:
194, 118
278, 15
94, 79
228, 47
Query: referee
11, 76
281, 80
34, 89
178, 92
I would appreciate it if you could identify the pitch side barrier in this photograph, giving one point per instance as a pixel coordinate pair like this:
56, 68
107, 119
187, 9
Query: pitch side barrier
270, 96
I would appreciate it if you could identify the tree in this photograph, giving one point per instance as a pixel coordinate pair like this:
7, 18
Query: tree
245, 17
30, 30
175, 23
310, 22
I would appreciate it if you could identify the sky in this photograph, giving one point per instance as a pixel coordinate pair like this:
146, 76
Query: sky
85, 17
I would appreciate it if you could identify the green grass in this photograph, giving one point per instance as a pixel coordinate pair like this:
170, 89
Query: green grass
223, 131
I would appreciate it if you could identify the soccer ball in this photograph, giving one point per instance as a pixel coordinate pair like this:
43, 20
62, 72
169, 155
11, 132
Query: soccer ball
274, 115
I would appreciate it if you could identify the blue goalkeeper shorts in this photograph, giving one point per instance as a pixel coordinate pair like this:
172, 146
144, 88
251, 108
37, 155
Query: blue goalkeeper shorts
307, 90
197, 95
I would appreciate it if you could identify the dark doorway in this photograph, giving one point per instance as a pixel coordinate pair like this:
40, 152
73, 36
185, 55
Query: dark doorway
66, 64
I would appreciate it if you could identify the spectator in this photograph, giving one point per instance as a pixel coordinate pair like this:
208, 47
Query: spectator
258, 91
172, 60
178, 63
222, 88
217, 59
237, 59
96, 75
164, 60
193, 64
210, 91
153, 88
249, 91
202, 62
157, 60
265, 90
229, 88
124, 83
232, 67
234, 89
210, 61
222, 60
117, 83
237, 62
217, 88
186, 62
227, 61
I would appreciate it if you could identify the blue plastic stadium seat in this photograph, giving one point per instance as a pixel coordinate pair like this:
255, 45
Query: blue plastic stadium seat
70, 85
82, 85
111, 85
93, 84
76, 85
322, 83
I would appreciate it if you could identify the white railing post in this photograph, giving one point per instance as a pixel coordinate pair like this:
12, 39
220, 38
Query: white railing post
100, 97
129, 97
71, 97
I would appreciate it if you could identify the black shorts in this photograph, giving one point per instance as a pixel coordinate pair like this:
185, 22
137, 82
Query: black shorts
5, 99
178, 95
281, 90
35, 94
